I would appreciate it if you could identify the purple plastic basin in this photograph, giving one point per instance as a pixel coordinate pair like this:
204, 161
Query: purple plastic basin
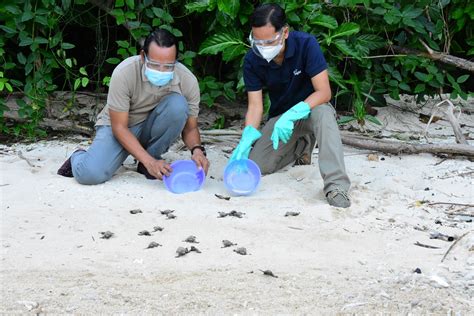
241, 177
186, 177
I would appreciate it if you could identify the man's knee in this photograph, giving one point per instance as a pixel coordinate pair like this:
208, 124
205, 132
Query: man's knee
89, 174
322, 111
176, 107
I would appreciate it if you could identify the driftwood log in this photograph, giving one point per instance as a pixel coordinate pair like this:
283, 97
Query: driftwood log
433, 55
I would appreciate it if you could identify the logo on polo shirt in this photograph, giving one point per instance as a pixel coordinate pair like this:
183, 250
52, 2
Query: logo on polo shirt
296, 72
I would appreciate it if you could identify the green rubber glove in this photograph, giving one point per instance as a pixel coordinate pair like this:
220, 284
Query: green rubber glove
283, 128
249, 136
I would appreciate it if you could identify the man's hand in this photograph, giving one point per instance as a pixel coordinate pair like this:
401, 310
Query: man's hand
200, 160
158, 168
284, 126
249, 136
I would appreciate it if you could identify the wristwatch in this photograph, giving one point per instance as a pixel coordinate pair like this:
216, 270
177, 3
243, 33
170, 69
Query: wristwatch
200, 147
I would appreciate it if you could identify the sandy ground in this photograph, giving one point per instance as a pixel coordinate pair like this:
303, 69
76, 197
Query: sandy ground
328, 260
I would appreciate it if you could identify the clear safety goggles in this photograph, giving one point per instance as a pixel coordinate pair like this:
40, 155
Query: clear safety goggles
268, 42
159, 66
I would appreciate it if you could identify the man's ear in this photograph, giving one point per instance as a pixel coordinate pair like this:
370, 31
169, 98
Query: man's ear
286, 32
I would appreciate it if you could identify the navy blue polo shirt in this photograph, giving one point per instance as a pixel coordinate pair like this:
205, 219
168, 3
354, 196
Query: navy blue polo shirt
290, 82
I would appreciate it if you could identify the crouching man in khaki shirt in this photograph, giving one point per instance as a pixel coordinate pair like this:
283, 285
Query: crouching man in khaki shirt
152, 99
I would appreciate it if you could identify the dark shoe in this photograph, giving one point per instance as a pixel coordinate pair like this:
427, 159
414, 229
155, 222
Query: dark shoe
338, 198
141, 169
66, 169
303, 160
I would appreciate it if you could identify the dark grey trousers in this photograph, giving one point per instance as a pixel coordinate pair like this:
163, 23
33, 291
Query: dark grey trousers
320, 127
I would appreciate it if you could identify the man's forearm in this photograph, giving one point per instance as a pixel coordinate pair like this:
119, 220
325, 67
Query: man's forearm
318, 98
254, 117
131, 144
191, 137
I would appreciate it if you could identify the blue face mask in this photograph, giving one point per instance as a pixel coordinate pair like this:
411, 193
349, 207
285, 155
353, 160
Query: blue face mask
158, 78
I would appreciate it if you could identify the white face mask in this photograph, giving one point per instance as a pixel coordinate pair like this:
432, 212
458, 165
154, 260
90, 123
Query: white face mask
269, 52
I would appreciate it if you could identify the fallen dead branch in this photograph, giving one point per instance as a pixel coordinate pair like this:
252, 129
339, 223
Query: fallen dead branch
395, 147
433, 55
452, 246
425, 246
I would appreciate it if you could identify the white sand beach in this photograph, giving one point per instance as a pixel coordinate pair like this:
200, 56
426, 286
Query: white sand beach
328, 260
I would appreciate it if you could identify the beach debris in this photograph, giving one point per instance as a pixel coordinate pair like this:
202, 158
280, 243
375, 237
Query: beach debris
222, 197
439, 281
454, 244
292, 214
106, 235
227, 243
269, 273
194, 249
438, 235
373, 157
241, 251
231, 213
417, 270
170, 216
181, 251
166, 212
144, 233
30, 305
191, 239
425, 246
136, 211
157, 228
153, 245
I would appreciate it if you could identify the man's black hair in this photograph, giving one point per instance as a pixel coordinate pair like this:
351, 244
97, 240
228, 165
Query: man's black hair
163, 38
268, 13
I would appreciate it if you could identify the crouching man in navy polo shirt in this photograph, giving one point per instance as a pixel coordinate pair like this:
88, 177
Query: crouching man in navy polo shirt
292, 67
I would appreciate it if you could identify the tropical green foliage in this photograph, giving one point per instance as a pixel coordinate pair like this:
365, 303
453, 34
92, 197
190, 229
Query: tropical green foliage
49, 45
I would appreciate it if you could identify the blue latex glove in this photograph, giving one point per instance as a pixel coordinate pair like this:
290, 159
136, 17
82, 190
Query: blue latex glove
283, 128
249, 136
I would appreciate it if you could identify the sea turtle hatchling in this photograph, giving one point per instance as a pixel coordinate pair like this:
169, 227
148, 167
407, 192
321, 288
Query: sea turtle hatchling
166, 212
157, 228
106, 235
170, 216
269, 273
194, 249
292, 214
235, 213
227, 243
144, 233
241, 251
191, 239
181, 251
153, 245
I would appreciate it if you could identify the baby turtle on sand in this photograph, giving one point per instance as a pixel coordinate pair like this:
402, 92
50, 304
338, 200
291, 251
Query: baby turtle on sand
292, 214
227, 243
170, 216
241, 251
136, 211
106, 235
153, 245
181, 251
269, 273
191, 239
236, 214
194, 249
144, 233
157, 228
231, 213
166, 212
